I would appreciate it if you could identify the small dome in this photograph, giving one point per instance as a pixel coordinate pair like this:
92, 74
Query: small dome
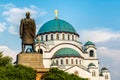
104, 68
91, 64
56, 25
89, 43
66, 52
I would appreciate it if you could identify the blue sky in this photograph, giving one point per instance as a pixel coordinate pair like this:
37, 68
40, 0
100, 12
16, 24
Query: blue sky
96, 20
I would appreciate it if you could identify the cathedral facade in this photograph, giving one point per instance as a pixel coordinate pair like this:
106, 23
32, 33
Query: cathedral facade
59, 43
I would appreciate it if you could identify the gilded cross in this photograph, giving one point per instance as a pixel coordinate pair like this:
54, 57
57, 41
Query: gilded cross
56, 14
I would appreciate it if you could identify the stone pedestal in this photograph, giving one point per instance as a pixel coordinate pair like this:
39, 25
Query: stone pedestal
34, 60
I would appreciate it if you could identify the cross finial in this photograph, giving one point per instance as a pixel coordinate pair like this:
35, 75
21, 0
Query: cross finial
89, 39
56, 14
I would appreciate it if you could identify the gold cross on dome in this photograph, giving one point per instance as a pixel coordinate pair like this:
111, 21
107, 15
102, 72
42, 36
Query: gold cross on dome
89, 39
56, 14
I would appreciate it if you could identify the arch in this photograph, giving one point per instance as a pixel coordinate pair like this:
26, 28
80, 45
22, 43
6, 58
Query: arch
63, 36
66, 61
41, 37
63, 45
76, 61
72, 61
73, 37
56, 61
68, 37
46, 37
93, 73
40, 51
80, 62
61, 61
106, 76
57, 36
91, 53
76, 38
43, 47
51, 36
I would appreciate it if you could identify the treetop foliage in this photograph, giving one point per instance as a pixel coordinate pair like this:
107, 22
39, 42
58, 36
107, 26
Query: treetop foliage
56, 74
4, 61
8, 71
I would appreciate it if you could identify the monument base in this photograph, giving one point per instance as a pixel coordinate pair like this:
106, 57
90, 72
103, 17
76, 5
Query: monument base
33, 60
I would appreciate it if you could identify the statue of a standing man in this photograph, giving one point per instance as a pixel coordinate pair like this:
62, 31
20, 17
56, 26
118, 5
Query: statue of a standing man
27, 32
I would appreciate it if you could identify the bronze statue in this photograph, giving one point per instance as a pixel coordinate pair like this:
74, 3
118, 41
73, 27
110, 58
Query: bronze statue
27, 32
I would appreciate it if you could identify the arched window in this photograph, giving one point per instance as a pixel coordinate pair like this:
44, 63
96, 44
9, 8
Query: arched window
71, 61
40, 51
73, 37
106, 76
41, 38
80, 62
68, 37
91, 53
93, 73
46, 37
76, 38
63, 37
61, 61
57, 61
57, 36
76, 61
66, 61
51, 36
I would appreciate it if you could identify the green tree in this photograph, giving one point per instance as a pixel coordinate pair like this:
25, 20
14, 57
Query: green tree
14, 72
56, 74
6, 60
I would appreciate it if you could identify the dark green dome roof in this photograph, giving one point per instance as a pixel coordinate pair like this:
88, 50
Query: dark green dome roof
89, 43
91, 64
104, 68
66, 52
56, 25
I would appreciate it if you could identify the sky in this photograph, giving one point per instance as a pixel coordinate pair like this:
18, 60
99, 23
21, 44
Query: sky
94, 20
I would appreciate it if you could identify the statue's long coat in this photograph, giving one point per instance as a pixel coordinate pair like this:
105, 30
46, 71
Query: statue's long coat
27, 31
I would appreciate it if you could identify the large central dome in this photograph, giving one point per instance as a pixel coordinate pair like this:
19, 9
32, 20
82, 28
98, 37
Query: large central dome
56, 25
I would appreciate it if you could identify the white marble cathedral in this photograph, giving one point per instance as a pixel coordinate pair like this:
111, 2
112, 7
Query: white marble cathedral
59, 43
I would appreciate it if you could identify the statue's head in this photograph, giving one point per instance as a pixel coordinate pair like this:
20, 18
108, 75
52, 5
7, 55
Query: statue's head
27, 14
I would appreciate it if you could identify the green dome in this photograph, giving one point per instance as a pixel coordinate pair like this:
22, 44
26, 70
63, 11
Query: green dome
104, 68
56, 25
91, 64
89, 43
66, 52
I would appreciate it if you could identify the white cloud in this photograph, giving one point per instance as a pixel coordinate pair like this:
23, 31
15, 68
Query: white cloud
113, 43
112, 53
7, 6
2, 27
98, 35
13, 15
8, 52
111, 58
